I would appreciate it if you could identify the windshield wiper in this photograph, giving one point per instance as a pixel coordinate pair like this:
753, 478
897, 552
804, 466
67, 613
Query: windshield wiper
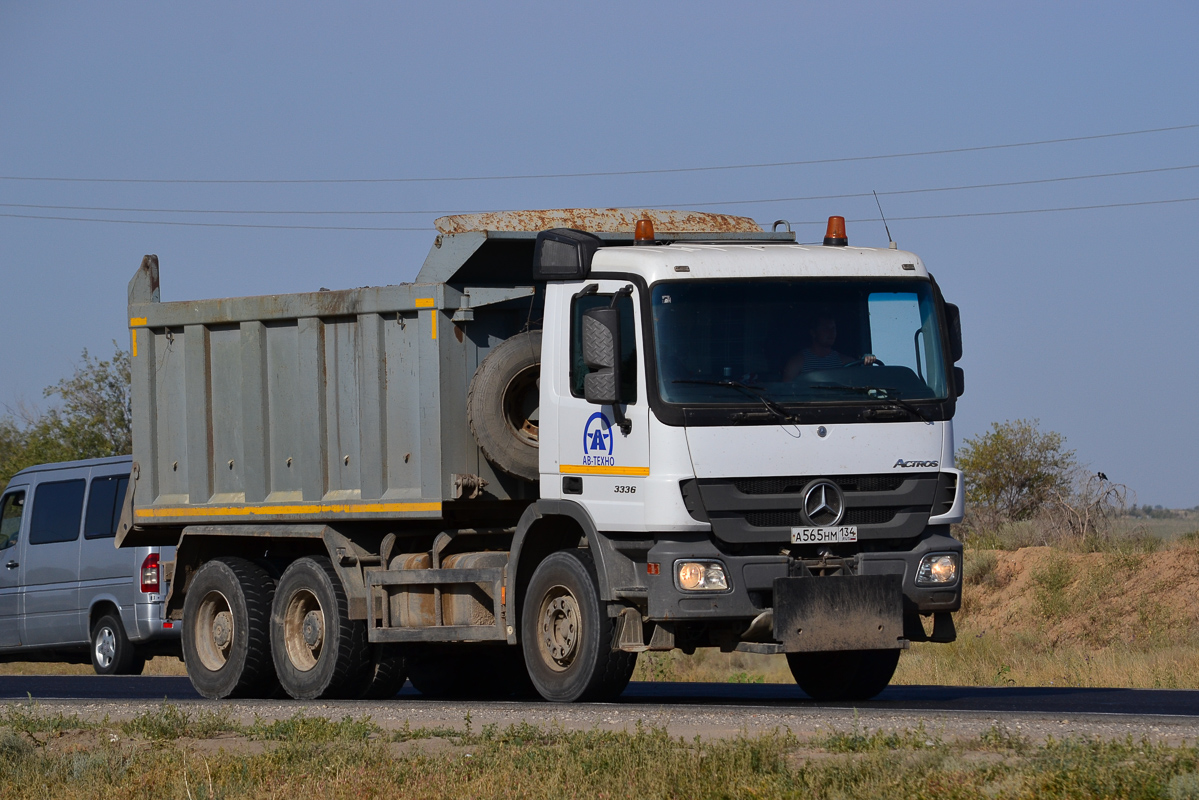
895, 401
756, 392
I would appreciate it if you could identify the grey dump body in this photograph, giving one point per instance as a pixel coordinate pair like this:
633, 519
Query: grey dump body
335, 405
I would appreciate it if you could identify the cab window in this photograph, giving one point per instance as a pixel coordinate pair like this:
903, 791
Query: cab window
11, 511
628, 344
57, 512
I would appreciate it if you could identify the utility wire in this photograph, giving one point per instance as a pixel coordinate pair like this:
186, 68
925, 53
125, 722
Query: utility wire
937, 189
660, 205
1011, 213
613, 173
428, 229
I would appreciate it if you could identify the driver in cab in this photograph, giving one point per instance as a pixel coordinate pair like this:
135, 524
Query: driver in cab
822, 353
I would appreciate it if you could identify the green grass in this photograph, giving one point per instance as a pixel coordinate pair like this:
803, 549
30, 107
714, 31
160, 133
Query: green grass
317, 757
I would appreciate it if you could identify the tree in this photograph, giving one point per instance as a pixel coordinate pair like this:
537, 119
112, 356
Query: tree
1015, 469
92, 420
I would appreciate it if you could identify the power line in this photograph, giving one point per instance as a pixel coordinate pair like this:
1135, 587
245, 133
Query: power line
428, 230
1012, 213
126, 209
213, 224
613, 173
937, 189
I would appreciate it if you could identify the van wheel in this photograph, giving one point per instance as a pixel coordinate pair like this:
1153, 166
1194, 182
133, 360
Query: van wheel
226, 630
112, 652
847, 675
316, 647
502, 405
567, 637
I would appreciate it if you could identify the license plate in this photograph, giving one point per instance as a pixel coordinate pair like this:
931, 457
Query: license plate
844, 533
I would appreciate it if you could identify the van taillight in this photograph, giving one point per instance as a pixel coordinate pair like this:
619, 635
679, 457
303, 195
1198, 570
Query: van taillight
150, 573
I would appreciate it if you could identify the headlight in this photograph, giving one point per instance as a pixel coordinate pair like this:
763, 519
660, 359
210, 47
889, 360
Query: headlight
701, 576
937, 570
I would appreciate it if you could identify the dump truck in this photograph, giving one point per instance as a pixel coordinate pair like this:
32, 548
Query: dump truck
577, 436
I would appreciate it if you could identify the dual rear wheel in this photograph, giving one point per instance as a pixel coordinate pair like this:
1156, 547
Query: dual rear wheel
247, 635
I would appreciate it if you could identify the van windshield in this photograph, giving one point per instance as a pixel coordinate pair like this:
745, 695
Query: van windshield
801, 341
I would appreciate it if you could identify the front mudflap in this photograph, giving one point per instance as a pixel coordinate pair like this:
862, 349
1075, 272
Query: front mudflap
852, 612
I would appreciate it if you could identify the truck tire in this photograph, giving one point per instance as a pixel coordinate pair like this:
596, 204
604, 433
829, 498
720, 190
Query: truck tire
226, 630
317, 649
848, 675
112, 652
502, 405
382, 675
567, 635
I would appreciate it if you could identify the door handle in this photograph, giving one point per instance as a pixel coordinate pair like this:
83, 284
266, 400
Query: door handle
12, 565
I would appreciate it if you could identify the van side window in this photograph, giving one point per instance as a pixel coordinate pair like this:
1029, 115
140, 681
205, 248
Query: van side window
11, 511
628, 344
104, 504
57, 512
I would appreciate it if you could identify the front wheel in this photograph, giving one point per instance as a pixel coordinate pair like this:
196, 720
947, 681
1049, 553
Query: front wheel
567, 636
847, 675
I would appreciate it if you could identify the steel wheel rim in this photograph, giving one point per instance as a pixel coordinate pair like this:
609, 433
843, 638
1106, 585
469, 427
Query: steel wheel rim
521, 399
559, 629
215, 631
106, 647
304, 630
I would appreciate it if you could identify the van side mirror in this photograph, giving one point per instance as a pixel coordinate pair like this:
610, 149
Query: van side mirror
601, 351
959, 381
953, 321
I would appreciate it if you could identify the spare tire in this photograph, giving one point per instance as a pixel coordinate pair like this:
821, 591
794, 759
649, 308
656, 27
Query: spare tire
502, 405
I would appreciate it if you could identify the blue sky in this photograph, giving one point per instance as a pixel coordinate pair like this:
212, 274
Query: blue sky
1086, 319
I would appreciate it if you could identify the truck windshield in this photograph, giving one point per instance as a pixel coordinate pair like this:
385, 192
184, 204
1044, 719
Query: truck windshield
797, 341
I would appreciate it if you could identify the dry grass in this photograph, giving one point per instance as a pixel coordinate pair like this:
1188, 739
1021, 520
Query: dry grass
166, 753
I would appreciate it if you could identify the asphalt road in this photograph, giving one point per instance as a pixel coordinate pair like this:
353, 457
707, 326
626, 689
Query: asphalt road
987, 700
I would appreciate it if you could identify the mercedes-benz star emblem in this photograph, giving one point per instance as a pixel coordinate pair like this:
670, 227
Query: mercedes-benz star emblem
823, 503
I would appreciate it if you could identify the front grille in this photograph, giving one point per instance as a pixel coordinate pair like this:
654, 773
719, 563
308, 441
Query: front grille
788, 519
794, 485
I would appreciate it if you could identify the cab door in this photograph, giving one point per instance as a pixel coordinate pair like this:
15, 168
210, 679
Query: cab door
12, 514
602, 466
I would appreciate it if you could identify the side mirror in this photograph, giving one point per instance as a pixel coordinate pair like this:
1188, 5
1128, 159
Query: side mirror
953, 321
959, 381
601, 351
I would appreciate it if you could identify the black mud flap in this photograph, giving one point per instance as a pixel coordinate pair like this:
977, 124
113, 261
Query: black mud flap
860, 612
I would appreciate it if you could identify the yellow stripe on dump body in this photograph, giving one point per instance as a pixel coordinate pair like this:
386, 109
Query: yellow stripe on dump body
133, 323
429, 302
573, 469
312, 508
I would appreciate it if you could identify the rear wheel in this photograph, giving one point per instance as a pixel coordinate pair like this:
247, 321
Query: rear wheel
316, 647
848, 675
112, 652
226, 632
567, 636
382, 674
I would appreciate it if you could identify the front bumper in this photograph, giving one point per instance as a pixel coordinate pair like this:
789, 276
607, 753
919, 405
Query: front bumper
752, 578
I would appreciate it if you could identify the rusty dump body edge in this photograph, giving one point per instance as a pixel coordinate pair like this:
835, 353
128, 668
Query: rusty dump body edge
598, 220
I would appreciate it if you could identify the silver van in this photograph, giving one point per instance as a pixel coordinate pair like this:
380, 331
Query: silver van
65, 590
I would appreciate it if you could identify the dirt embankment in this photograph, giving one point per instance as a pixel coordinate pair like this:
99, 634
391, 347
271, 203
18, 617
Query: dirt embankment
1096, 599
